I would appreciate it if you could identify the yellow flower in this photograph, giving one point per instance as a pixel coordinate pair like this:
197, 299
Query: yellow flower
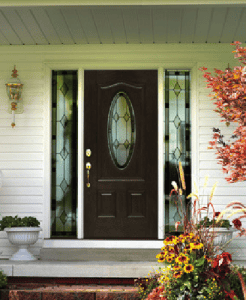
176, 268
161, 259
186, 236
191, 235
177, 274
196, 245
188, 268
187, 249
170, 258
171, 240
182, 259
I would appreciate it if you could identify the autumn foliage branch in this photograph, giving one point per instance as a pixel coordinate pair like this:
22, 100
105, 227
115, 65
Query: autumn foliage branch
229, 93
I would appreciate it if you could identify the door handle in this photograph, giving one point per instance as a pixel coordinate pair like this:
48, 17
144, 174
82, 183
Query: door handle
88, 167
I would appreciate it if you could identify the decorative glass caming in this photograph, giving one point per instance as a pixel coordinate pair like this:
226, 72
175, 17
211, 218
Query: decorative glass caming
64, 153
177, 138
121, 130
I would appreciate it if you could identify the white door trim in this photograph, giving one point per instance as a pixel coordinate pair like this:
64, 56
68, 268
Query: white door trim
47, 150
161, 197
80, 222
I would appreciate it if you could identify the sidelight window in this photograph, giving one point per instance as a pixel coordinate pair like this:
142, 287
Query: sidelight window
177, 138
64, 153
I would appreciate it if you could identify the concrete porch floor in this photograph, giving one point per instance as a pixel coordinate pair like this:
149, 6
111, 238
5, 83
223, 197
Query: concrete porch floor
78, 269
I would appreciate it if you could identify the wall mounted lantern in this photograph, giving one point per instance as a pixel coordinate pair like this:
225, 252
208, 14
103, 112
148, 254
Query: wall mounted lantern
14, 89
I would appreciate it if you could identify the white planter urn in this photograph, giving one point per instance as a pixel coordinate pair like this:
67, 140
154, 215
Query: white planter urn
23, 237
221, 235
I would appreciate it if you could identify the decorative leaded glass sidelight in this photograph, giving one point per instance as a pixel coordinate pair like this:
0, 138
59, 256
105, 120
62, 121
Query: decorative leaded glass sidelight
64, 153
121, 130
177, 138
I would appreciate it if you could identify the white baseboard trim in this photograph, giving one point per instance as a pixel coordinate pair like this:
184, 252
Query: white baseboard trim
107, 244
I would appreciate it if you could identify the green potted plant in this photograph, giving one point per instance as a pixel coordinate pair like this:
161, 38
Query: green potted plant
206, 222
21, 232
221, 229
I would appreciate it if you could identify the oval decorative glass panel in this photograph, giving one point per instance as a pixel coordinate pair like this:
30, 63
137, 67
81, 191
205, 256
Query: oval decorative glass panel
121, 130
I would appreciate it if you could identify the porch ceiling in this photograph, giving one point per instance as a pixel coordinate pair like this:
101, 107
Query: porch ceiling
148, 24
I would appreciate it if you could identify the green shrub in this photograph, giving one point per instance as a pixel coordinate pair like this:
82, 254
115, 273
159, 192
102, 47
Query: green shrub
8, 222
3, 280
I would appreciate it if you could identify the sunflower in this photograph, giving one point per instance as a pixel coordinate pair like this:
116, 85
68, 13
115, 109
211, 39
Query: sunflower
178, 274
188, 268
182, 259
196, 245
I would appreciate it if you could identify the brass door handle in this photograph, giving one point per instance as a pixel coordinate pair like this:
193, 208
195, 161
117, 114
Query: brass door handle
88, 167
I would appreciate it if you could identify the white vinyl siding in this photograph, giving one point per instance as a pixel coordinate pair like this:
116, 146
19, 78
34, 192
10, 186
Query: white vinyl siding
21, 148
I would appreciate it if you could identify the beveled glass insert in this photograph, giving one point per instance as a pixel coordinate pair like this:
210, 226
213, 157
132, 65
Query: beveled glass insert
121, 130
177, 138
64, 154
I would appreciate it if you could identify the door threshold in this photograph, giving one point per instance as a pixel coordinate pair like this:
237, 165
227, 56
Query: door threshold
105, 244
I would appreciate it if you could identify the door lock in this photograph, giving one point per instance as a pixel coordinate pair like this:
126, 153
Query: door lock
88, 167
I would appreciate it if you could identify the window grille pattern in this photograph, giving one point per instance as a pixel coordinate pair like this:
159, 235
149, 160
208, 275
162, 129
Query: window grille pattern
64, 153
177, 138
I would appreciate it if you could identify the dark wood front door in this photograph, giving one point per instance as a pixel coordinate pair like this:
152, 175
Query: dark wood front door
120, 129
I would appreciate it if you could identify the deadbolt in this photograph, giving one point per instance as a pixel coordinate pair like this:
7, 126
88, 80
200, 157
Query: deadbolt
88, 152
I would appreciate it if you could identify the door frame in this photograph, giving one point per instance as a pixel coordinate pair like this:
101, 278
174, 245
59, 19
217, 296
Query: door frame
80, 242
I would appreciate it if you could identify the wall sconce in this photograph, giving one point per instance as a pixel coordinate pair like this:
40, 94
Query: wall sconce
14, 89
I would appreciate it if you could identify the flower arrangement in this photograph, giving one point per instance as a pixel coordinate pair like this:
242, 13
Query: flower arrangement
194, 267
